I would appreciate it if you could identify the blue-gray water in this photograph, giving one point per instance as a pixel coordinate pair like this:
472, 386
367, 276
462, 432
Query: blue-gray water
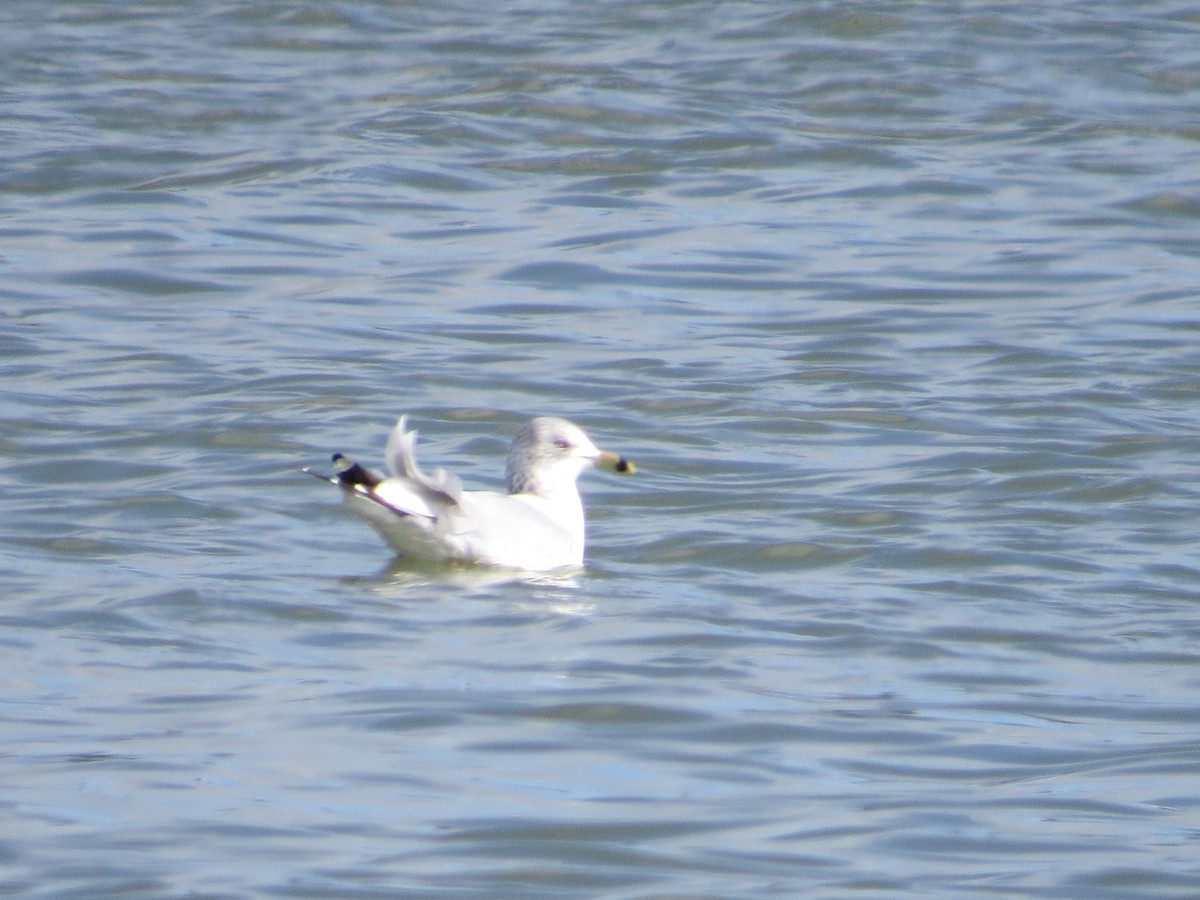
895, 304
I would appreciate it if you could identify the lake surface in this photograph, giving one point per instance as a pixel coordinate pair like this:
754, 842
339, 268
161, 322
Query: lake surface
894, 304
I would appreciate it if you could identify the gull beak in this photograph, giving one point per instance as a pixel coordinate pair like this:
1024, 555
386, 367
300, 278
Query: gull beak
616, 463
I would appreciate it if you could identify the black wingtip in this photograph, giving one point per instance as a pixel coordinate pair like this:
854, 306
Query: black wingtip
350, 474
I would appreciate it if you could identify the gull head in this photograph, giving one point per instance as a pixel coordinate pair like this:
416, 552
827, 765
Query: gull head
549, 453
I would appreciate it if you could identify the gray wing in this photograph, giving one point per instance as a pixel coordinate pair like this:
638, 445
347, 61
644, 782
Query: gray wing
439, 490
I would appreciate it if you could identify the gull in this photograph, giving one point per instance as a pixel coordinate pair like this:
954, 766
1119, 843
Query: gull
538, 525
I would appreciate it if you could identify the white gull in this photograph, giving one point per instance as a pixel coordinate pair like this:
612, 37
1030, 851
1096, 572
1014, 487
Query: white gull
537, 525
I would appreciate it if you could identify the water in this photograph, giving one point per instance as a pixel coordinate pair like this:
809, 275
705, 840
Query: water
894, 304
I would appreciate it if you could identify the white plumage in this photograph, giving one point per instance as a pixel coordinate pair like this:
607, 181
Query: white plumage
537, 525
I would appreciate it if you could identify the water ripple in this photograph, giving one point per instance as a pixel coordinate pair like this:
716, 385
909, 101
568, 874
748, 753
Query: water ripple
894, 309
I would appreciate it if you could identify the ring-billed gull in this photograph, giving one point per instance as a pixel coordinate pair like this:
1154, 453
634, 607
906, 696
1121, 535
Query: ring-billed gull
537, 525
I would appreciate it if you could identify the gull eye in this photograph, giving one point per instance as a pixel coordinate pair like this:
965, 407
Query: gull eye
562, 444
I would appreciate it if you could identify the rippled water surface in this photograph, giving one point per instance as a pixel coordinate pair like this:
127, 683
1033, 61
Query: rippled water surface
895, 304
